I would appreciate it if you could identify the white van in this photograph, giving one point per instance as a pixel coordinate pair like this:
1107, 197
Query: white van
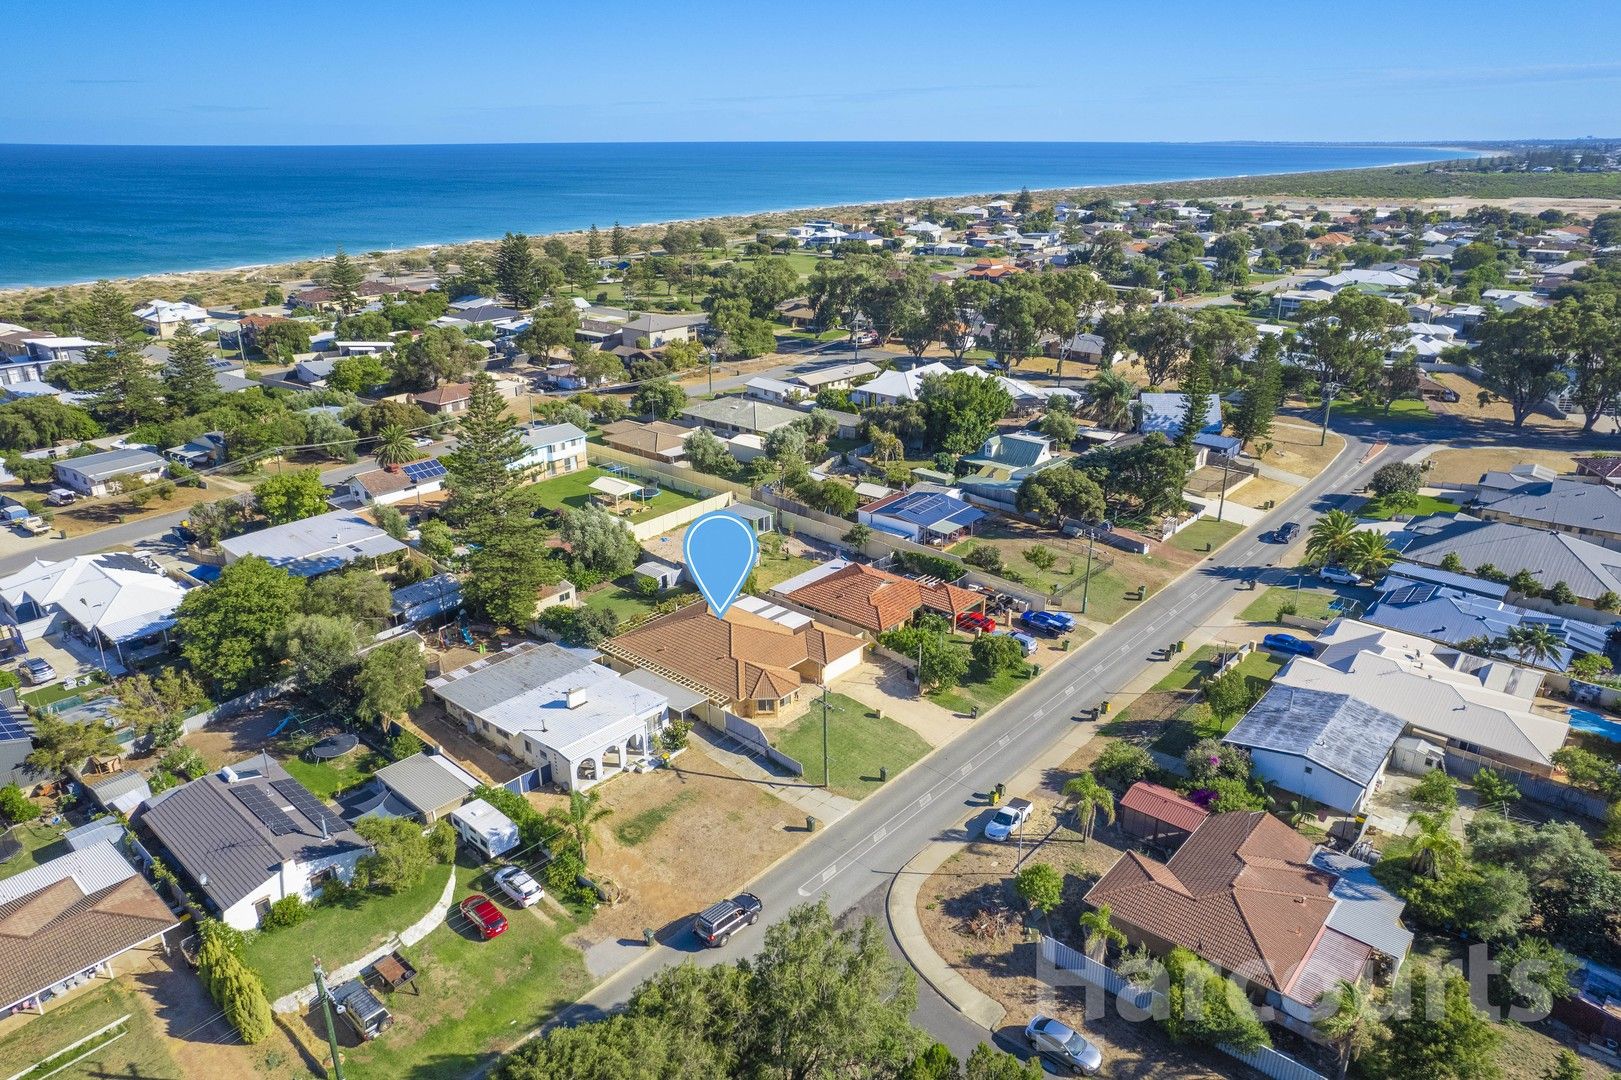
61, 497
484, 829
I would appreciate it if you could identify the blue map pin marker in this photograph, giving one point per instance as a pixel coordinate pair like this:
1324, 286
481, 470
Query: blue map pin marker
721, 549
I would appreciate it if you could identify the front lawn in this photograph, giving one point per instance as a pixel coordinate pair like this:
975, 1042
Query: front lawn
574, 491
1205, 531
477, 998
859, 744
338, 933
1309, 603
140, 1052
1422, 506
1408, 409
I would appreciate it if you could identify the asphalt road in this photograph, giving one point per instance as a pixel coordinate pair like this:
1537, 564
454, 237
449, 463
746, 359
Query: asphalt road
861, 853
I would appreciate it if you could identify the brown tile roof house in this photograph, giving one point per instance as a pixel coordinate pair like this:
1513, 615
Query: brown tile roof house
1241, 892
879, 601
1164, 805
73, 914
451, 397
758, 653
659, 439
1604, 468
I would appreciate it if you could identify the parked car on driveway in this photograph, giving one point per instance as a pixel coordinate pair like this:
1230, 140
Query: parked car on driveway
716, 923
1288, 643
1339, 575
1026, 642
1062, 1045
1044, 622
973, 620
1007, 819
523, 890
36, 671
484, 915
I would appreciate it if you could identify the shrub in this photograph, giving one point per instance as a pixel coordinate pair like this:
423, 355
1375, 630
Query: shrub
288, 911
1436, 790
675, 736
15, 805
1210, 759
1122, 764
985, 557
1040, 886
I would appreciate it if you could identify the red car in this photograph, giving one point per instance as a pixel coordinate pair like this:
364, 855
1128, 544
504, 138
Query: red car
973, 620
484, 915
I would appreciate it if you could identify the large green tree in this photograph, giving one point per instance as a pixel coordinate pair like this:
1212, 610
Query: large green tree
188, 381
599, 540
509, 568
961, 410
124, 390
343, 277
1523, 355
480, 470
516, 272
1348, 336
291, 496
1252, 420
228, 631
389, 682
1058, 493
1438, 1034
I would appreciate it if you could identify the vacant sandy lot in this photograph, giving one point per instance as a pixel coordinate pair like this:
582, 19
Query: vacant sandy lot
678, 838
1295, 449
1465, 466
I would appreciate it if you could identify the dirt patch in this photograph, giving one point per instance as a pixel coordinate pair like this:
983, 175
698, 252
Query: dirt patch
86, 517
225, 741
1468, 407
1295, 449
1261, 489
435, 728
666, 823
886, 685
1466, 466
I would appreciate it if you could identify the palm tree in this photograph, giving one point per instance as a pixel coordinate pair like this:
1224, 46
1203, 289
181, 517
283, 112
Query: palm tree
1369, 553
1354, 1026
1108, 399
1330, 537
1100, 933
1296, 811
394, 447
580, 819
1089, 799
1434, 849
1534, 643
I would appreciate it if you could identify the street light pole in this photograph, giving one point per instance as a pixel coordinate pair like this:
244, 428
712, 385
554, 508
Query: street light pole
1221, 508
1330, 390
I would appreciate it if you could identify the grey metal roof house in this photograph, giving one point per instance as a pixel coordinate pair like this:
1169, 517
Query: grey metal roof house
1454, 616
1329, 747
740, 415
430, 785
504, 676
1592, 510
1589, 569
1366, 910
314, 545
90, 474
249, 835
425, 600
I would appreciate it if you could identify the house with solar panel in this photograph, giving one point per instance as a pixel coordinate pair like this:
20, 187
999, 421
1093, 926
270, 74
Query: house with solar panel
925, 517
249, 835
388, 486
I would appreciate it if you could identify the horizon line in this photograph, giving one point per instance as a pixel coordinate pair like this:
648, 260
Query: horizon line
1431, 144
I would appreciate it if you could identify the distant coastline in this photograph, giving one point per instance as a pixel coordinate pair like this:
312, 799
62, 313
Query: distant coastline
135, 213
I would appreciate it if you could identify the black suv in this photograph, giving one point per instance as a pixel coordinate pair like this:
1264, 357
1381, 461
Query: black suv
716, 923
1287, 532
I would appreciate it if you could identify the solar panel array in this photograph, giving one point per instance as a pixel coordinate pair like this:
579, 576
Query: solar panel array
301, 800
260, 804
1410, 594
418, 471
11, 727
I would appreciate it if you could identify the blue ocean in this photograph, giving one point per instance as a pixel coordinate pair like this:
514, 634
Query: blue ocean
75, 213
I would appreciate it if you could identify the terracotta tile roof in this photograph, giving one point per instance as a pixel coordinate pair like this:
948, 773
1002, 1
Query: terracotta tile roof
1604, 467
1334, 239
655, 438
1241, 893
381, 481
444, 395
1163, 804
58, 931
739, 657
878, 600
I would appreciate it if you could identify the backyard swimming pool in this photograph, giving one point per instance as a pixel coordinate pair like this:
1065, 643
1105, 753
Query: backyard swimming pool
1594, 724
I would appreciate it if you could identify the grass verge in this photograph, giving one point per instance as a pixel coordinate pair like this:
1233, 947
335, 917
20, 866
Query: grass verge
859, 746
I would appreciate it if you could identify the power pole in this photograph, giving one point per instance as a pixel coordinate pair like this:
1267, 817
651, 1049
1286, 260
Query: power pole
1221, 508
1330, 391
827, 766
331, 1025
1086, 582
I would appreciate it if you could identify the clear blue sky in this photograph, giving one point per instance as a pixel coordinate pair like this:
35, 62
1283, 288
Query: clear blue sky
81, 71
